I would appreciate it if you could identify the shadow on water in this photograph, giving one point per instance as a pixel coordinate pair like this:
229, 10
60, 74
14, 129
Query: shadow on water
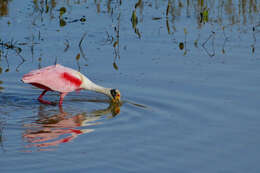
55, 127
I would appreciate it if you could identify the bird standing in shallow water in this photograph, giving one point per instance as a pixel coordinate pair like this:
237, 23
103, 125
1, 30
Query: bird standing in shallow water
64, 80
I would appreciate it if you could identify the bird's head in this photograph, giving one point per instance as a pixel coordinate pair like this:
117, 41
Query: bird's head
115, 95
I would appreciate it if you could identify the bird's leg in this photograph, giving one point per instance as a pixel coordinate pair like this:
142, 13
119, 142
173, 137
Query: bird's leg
62, 95
45, 101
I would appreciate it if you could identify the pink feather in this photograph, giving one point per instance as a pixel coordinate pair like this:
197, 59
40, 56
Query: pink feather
54, 78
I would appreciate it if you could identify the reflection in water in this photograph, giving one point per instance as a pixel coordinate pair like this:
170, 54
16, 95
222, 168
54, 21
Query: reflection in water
1, 82
63, 127
14, 46
1, 135
212, 38
115, 11
81, 51
134, 19
4, 7
220, 14
224, 15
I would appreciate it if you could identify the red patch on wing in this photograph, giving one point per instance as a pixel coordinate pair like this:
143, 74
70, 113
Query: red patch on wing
72, 79
76, 131
67, 139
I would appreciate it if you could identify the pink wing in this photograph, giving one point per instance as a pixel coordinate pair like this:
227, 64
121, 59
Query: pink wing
56, 78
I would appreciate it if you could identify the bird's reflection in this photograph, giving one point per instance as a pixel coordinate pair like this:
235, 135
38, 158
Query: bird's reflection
62, 127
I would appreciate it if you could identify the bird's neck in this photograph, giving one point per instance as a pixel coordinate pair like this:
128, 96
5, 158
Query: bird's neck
89, 85
100, 89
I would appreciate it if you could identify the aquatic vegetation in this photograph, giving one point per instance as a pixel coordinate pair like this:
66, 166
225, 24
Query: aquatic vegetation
220, 15
14, 46
182, 67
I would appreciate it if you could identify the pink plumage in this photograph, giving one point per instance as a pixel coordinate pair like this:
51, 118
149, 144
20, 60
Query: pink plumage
54, 78
65, 80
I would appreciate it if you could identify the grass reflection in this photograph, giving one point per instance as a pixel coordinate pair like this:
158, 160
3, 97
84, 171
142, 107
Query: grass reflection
225, 16
4, 53
4, 8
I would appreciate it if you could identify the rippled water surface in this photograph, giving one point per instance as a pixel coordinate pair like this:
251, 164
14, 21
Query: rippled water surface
188, 72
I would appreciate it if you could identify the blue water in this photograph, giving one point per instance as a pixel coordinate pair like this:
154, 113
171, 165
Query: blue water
194, 109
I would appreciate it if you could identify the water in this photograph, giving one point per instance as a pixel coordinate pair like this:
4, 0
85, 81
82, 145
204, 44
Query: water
189, 85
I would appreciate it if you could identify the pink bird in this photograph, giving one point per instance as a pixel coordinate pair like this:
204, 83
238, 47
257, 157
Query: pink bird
64, 80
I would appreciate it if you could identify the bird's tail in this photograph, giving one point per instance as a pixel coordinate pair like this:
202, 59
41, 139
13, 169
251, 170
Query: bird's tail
27, 78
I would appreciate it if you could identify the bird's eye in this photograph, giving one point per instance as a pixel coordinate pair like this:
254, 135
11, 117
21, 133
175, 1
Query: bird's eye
113, 92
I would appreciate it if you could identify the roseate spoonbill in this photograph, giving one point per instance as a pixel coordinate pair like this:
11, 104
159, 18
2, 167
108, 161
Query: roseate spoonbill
65, 80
